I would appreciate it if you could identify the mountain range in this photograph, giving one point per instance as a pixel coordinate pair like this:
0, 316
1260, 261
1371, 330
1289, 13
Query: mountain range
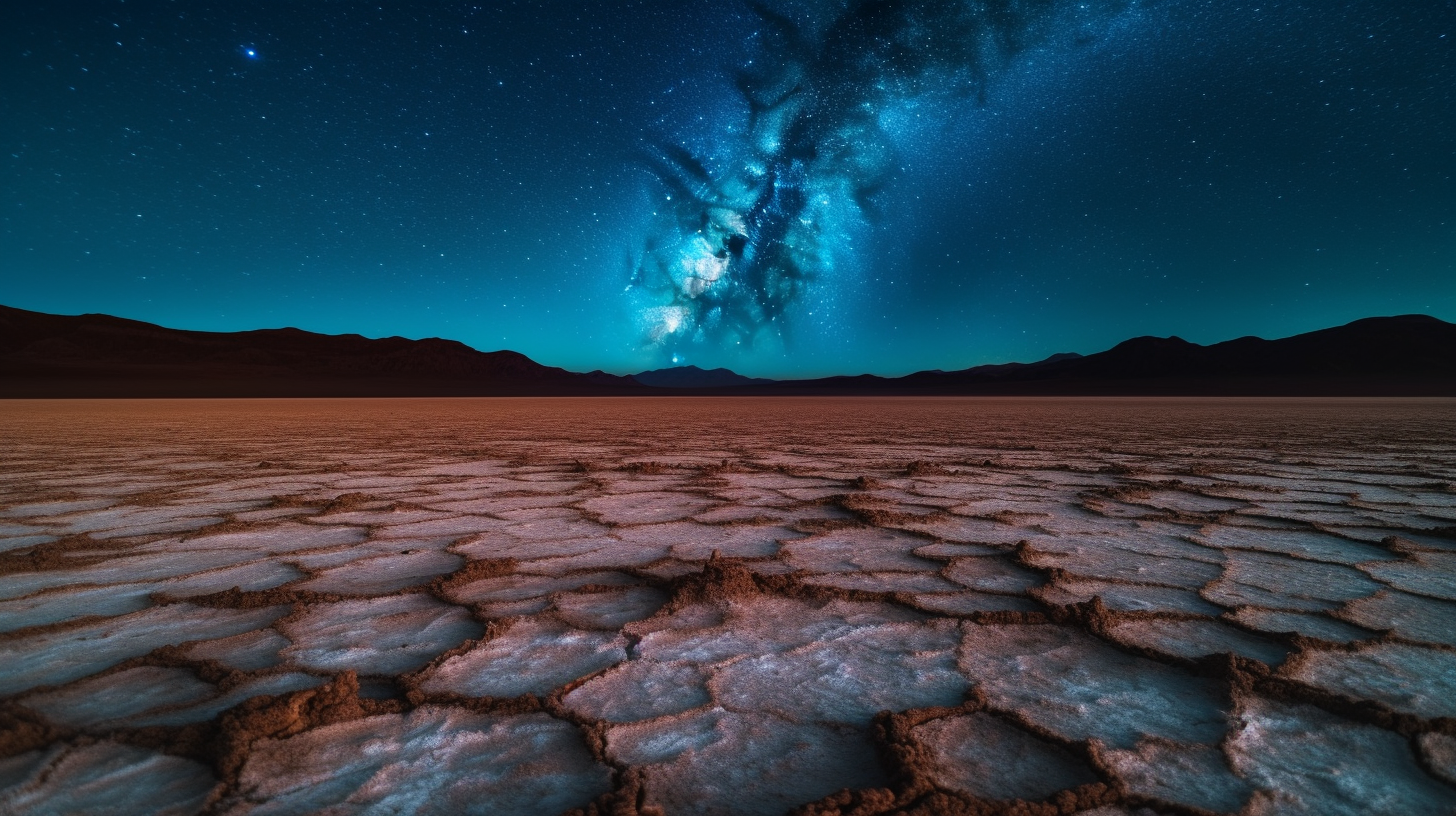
49, 356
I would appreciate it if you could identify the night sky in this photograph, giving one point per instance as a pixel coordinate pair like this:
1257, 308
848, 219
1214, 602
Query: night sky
787, 189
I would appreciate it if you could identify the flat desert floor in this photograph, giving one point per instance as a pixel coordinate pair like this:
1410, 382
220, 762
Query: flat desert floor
728, 606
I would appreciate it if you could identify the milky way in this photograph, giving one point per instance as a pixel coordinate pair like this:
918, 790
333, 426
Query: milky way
731, 252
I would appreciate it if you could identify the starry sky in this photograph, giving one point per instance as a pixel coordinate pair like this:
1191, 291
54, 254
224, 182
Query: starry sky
786, 187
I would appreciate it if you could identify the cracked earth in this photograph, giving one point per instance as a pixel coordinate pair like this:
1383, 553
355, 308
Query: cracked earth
719, 606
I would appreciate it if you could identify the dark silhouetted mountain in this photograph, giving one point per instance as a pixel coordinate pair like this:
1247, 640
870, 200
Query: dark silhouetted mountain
92, 355
1411, 355
694, 377
45, 355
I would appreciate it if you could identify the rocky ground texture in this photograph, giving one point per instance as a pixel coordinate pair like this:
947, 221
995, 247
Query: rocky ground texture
681, 606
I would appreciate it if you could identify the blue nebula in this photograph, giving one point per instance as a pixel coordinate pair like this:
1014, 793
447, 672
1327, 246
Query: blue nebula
733, 250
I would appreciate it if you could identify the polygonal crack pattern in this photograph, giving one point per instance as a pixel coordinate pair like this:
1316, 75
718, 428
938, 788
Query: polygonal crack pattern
719, 606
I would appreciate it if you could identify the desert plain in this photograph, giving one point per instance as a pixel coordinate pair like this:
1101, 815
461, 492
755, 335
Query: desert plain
728, 606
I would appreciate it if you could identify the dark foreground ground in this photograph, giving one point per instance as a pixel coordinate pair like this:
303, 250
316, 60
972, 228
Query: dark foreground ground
750, 606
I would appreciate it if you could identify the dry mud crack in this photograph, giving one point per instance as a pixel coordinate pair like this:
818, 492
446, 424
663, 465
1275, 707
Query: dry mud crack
845, 606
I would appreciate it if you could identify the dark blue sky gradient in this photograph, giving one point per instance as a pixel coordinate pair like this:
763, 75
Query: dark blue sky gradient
474, 171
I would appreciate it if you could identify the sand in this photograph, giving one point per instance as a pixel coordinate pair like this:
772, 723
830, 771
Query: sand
728, 606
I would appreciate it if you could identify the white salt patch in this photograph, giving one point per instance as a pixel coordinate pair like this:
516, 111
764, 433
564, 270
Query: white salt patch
504, 546
981, 531
1410, 616
1412, 679
59, 657
255, 576
763, 626
127, 569
947, 550
1181, 501
534, 514
511, 609
133, 521
989, 758
58, 605
23, 541
743, 512
377, 636
1196, 638
609, 610
611, 554
691, 541
288, 536
386, 573
646, 507
1431, 574
525, 587
382, 518
119, 696
503, 504
1279, 582
272, 684
108, 778
1196, 776
454, 526
1303, 543
1091, 560
1079, 687
532, 657
856, 550
965, 603
1312, 762
54, 508
849, 678
992, 574
720, 764
432, 760
1127, 597
1310, 625
884, 581
247, 652
641, 690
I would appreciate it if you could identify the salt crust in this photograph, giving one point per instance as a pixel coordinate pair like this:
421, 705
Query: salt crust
431, 761
532, 657
1305, 760
721, 763
378, 636
106, 779
58, 657
1190, 775
989, 758
754, 702
1413, 679
1081, 688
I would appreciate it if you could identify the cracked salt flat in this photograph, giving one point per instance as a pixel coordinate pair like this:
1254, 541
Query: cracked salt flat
629, 610
381, 636
104, 778
430, 760
530, 658
989, 758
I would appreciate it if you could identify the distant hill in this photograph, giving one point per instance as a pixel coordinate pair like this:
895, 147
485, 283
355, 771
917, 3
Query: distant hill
43, 355
1410, 355
694, 377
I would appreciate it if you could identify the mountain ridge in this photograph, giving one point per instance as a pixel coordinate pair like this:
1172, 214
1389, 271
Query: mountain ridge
43, 355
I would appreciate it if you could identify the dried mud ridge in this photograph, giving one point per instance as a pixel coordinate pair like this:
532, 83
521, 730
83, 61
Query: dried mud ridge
941, 608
